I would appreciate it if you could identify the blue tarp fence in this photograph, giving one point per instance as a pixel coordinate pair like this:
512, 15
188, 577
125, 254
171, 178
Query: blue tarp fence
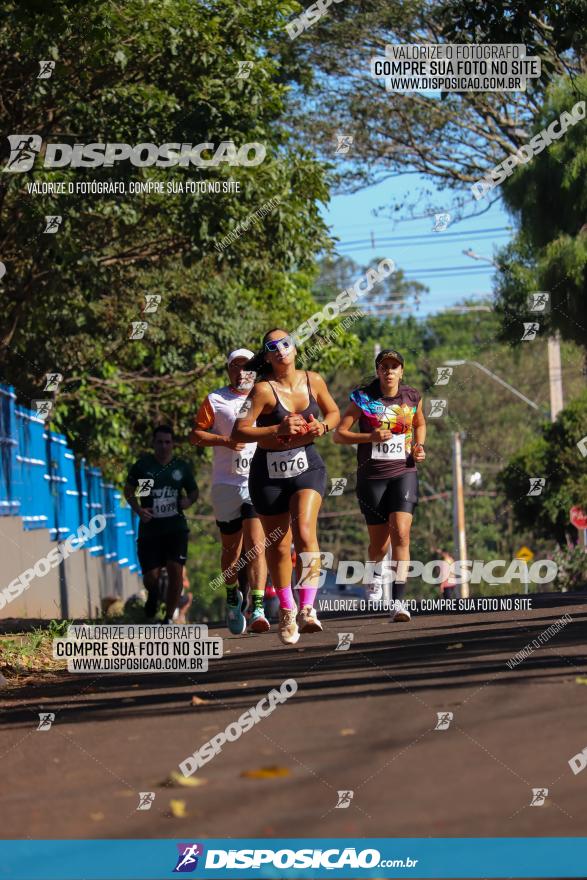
42, 483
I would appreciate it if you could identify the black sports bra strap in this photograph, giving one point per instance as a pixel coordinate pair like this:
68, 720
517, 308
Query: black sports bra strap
274, 393
309, 389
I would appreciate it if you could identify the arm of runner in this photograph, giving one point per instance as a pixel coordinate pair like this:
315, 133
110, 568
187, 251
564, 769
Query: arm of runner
189, 499
344, 435
244, 429
330, 411
201, 436
192, 491
419, 424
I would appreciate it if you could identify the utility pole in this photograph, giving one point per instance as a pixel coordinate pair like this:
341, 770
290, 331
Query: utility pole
555, 376
460, 538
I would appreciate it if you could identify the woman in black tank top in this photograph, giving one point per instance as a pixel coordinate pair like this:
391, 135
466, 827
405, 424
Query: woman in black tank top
287, 477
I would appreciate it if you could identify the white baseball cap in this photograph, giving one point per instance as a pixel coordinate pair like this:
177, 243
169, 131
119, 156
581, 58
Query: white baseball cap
239, 353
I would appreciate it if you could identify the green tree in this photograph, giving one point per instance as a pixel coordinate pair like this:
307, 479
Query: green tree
548, 198
555, 456
453, 139
147, 73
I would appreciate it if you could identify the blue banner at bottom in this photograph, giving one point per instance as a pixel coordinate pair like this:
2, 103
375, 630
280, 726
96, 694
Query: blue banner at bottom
227, 859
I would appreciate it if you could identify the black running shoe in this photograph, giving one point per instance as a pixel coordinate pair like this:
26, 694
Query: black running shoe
151, 605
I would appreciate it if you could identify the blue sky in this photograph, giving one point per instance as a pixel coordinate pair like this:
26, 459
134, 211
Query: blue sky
351, 218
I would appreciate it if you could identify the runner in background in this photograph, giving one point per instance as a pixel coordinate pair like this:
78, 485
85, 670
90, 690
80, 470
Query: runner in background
163, 530
390, 441
240, 527
288, 476
447, 587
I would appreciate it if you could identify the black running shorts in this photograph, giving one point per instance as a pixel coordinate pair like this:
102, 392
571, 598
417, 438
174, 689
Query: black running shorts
379, 498
155, 551
271, 496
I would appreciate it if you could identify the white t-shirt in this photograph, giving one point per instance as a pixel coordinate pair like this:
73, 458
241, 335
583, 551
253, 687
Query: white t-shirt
217, 415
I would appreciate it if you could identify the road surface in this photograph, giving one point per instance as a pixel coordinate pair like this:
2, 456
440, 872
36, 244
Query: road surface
363, 721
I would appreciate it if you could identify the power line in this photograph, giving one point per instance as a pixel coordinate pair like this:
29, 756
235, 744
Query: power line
436, 235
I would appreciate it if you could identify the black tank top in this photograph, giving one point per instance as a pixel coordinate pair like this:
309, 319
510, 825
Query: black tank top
279, 412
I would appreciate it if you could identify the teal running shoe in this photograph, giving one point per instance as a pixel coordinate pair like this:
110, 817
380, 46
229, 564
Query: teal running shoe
258, 623
235, 619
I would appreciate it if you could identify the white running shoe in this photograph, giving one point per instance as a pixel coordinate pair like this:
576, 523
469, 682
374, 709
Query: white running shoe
374, 590
307, 620
401, 613
288, 628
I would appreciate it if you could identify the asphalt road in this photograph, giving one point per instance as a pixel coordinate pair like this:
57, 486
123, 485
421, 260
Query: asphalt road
362, 720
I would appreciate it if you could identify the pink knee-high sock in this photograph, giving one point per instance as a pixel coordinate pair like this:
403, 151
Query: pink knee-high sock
286, 599
307, 595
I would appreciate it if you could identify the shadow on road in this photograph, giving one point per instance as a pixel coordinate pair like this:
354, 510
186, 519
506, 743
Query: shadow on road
458, 653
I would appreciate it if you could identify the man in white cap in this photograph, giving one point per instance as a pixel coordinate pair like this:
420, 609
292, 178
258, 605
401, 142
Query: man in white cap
240, 527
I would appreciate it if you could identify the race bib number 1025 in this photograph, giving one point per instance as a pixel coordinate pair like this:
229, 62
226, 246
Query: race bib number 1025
390, 450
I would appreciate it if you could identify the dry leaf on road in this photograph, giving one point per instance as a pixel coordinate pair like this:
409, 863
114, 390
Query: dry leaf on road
266, 773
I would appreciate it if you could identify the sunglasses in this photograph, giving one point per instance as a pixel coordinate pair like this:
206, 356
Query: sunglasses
274, 345
385, 368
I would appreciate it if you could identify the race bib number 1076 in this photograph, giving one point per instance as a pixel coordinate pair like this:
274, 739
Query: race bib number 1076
289, 463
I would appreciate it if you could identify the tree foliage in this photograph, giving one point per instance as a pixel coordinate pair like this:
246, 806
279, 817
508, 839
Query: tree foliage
452, 140
145, 72
555, 456
548, 198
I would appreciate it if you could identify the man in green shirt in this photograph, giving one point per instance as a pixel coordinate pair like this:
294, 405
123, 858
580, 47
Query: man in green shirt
154, 489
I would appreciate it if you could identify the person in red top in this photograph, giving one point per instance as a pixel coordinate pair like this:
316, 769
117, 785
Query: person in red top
390, 441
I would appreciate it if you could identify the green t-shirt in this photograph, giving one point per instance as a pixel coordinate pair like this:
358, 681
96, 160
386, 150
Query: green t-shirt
160, 487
